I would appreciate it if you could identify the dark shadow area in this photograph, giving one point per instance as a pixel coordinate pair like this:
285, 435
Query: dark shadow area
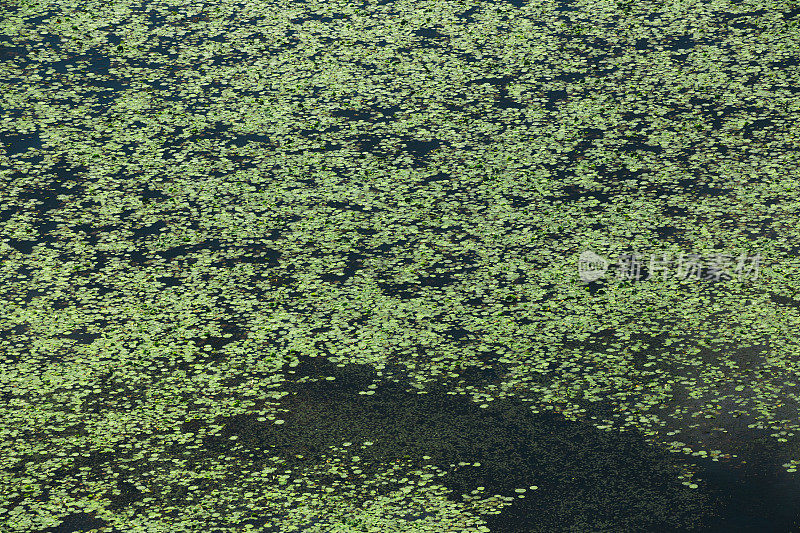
588, 479
81, 522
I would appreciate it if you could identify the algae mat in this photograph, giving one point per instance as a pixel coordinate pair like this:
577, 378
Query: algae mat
297, 266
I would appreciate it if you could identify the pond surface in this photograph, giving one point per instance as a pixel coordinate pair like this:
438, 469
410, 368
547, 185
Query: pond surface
297, 266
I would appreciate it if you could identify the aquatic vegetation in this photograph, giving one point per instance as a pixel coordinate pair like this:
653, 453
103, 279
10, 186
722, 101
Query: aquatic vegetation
286, 266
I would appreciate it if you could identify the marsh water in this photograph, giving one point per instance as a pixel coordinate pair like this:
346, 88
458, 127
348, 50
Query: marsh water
314, 267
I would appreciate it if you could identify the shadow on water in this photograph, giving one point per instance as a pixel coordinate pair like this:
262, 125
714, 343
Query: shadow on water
588, 479
81, 522
756, 497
